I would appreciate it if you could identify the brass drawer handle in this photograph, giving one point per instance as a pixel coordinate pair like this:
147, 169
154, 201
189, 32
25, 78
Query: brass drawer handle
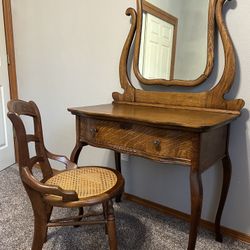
157, 143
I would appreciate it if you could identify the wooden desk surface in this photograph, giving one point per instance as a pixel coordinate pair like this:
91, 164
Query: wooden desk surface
199, 120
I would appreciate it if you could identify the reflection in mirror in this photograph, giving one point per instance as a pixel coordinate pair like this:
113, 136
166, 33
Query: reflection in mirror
174, 39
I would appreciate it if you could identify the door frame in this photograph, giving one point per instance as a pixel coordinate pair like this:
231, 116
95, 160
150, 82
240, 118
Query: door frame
9, 37
163, 15
10, 49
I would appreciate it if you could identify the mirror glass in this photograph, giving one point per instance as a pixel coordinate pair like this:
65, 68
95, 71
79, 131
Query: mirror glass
174, 39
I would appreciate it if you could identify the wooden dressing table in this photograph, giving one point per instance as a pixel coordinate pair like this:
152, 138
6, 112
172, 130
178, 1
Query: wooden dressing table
191, 129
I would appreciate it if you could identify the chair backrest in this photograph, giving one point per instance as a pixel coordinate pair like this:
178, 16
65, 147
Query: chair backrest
17, 109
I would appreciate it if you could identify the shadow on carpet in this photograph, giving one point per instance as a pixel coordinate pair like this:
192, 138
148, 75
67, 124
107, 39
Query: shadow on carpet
138, 228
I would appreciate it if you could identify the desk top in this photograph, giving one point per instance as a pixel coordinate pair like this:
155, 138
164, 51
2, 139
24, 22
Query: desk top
185, 119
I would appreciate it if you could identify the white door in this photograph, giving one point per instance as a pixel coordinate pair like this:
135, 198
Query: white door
158, 45
7, 156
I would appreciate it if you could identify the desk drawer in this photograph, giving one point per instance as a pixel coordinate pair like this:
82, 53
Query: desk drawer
159, 144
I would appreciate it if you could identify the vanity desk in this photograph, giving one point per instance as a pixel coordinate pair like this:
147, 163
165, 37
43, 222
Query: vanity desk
186, 128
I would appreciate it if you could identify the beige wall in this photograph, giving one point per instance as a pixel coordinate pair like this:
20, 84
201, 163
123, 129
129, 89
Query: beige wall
67, 54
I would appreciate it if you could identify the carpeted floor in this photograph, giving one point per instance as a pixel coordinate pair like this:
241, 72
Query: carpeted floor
138, 228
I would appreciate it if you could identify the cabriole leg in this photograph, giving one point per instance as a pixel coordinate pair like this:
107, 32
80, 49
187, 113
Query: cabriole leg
76, 152
196, 206
118, 168
227, 170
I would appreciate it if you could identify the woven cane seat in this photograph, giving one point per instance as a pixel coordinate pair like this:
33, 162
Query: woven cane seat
85, 181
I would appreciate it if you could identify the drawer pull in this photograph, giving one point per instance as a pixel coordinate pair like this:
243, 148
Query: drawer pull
93, 130
157, 143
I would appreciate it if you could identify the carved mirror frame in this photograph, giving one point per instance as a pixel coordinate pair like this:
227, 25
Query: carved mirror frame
142, 6
213, 99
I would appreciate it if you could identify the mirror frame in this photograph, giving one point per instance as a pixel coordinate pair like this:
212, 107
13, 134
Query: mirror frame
211, 99
143, 5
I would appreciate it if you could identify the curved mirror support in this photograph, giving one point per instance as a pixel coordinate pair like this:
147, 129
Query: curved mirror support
211, 99
174, 41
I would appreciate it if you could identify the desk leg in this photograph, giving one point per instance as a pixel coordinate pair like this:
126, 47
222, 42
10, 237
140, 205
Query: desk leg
118, 161
196, 205
227, 170
118, 168
74, 158
76, 152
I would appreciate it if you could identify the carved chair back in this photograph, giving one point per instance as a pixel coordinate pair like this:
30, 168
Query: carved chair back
17, 110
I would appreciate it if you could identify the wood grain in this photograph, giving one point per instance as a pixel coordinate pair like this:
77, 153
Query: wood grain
196, 138
49, 192
185, 119
157, 144
213, 146
188, 128
123, 70
10, 48
209, 99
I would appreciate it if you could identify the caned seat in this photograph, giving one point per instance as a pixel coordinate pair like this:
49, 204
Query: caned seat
73, 187
87, 182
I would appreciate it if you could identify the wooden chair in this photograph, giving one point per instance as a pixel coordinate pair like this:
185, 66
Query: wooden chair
73, 187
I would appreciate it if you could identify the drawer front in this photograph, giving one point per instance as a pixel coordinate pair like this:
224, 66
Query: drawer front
159, 144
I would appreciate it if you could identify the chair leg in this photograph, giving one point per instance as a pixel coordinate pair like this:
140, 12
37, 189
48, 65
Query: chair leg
42, 212
48, 212
80, 213
40, 232
111, 227
105, 214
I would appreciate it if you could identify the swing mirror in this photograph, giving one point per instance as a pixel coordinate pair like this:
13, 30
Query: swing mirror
174, 42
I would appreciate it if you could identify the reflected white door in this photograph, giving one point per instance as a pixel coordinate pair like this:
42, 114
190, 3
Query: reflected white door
158, 45
7, 156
